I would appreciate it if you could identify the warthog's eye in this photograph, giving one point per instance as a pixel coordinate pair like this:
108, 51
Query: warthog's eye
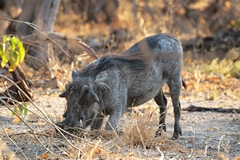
80, 102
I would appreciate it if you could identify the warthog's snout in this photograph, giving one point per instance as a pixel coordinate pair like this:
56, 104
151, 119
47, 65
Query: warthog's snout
69, 122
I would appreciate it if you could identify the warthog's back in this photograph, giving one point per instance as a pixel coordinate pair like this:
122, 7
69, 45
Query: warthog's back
162, 56
161, 47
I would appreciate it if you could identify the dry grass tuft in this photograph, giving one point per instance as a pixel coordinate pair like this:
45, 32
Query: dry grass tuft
140, 130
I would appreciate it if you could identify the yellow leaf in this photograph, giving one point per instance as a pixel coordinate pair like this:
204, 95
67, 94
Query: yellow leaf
191, 141
44, 156
213, 96
228, 75
131, 154
40, 88
209, 129
64, 153
216, 128
48, 132
16, 120
28, 73
182, 151
7, 129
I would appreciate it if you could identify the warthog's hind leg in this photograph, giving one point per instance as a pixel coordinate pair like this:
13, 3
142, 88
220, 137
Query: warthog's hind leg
161, 100
175, 86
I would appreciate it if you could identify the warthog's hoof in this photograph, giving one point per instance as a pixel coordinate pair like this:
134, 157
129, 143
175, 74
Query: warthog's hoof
59, 124
176, 135
160, 130
67, 128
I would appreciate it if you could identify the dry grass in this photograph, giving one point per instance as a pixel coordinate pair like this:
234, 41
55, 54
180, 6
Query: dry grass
132, 142
212, 80
140, 130
136, 138
39, 138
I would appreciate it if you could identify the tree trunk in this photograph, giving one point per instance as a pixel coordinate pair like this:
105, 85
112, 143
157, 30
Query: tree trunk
26, 15
42, 14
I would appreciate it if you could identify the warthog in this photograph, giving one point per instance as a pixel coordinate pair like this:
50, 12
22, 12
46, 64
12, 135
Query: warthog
111, 84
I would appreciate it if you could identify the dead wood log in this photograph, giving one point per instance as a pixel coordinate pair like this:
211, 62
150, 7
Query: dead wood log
193, 108
62, 42
13, 92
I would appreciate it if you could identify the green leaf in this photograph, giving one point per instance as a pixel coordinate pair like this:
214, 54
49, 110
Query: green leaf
21, 51
1, 49
21, 110
14, 61
15, 57
12, 51
12, 42
5, 59
5, 39
15, 111
12, 68
25, 110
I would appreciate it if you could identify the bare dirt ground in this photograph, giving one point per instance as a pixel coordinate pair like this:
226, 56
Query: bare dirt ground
206, 135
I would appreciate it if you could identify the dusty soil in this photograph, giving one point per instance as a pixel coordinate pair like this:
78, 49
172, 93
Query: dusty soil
206, 135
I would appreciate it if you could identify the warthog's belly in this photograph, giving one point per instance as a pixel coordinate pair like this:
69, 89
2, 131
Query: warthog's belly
146, 93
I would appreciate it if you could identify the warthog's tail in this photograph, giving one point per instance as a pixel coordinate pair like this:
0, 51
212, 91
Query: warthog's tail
184, 84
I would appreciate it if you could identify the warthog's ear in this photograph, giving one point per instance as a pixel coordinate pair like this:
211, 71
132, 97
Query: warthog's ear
101, 81
63, 94
74, 73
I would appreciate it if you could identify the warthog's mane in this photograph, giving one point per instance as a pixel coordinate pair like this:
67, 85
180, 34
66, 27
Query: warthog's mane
149, 43
110, 61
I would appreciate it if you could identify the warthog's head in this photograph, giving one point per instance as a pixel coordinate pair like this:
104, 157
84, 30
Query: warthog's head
82, 102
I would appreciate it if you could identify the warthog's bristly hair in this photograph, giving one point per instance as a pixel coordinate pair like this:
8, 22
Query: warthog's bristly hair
107, 62
111, 84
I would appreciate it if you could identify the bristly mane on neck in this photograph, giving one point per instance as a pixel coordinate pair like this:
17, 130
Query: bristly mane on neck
107, 62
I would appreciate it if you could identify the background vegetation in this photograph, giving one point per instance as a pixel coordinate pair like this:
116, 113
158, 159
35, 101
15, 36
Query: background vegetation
84, 30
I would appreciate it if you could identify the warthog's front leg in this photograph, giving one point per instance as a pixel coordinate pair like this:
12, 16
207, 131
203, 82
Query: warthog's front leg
175, 86
114, 118
97, 122
161, 100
